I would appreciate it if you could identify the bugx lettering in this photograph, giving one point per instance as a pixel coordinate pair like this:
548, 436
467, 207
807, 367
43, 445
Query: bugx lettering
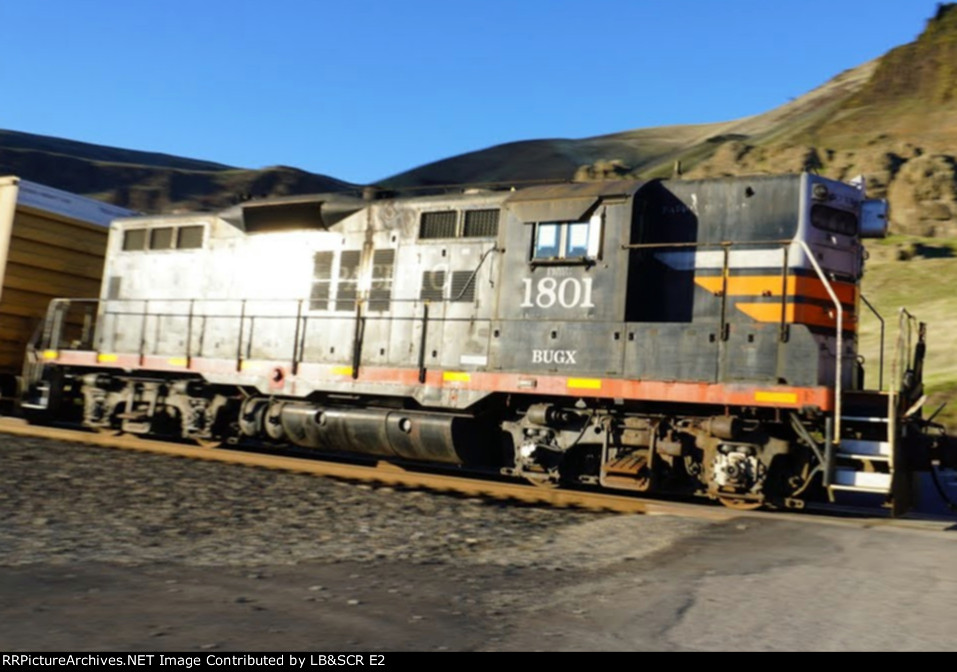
554, 356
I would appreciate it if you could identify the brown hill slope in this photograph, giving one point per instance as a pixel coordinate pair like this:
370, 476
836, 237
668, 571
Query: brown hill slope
147, 181
646, 151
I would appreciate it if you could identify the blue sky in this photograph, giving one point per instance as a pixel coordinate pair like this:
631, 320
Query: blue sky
363, 90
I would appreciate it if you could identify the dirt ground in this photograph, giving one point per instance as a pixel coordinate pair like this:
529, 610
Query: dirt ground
102, 562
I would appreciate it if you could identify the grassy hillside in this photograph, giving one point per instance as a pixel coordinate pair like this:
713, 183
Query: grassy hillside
925, 284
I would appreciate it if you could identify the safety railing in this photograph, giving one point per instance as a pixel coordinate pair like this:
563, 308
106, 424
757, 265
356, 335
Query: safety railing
299, 315
903, 362
726, 248
365, 307
880, 319
195, 315
903, 350
62, 325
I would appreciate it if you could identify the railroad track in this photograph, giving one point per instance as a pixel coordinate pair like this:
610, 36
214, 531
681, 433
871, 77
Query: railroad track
385, 473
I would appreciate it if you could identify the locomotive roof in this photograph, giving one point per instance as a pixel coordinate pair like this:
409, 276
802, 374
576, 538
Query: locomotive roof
605, 189
542, 202
567, 202
325, 210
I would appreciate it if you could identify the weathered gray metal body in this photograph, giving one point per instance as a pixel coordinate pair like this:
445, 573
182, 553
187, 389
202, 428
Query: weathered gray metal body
267, 288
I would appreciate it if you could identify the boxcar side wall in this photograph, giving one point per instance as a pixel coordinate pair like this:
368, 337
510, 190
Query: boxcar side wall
8, 203
48, 256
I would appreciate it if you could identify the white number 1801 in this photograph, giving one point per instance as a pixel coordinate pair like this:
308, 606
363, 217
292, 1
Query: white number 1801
569, 293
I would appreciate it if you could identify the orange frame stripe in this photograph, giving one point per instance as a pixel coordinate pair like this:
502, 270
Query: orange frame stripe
402, 379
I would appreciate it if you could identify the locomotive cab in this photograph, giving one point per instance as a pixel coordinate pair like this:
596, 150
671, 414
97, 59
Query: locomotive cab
561, 309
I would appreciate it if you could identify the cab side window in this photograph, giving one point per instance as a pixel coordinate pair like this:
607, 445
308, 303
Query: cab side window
568, 241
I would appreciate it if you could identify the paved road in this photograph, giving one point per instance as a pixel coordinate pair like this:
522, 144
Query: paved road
747, 585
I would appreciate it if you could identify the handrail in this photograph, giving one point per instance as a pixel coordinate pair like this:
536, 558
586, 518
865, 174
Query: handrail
880, 376
900, 349
725, 247
908, 319
50, 331
190, 306
839, 329
839, 325
783, 325
723, 243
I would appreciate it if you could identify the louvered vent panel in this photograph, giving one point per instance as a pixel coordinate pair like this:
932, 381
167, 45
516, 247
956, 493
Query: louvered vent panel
348, 276
383, 263
463, 286
433, 286
481, 224
438, 224
321, 281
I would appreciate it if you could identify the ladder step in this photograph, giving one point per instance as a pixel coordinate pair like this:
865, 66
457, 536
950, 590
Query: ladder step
854, 488
871, 458
864, 447
863, 418
865, 481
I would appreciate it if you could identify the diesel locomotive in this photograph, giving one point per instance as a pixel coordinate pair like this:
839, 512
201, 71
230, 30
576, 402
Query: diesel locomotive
693, 337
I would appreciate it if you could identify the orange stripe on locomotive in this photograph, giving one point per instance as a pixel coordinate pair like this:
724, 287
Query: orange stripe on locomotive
805, 299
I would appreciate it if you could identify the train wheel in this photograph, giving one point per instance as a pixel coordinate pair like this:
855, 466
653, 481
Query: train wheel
542, 482
541, 479
741, 504
208, 443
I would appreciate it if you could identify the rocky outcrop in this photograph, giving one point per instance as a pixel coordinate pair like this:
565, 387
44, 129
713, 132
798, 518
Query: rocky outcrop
923, 196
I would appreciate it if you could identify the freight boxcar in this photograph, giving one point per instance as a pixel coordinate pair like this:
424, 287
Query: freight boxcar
52, 243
